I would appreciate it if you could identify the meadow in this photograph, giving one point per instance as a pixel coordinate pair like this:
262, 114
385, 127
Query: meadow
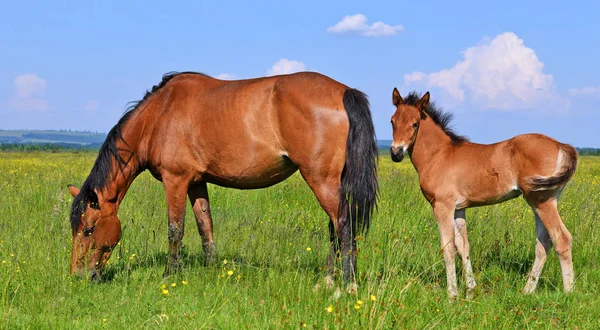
272, 245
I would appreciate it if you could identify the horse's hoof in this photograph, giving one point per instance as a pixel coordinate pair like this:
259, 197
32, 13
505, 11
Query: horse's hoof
327, 284
352, 289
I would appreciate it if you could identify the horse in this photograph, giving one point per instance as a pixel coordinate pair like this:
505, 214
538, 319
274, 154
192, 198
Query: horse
192, 129
455, 174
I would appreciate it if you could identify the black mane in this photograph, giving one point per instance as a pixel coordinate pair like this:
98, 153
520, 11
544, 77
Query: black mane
98, 178
438, 117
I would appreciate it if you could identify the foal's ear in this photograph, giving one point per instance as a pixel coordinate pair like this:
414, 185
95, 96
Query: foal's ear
396, 98
423, 102
73, 190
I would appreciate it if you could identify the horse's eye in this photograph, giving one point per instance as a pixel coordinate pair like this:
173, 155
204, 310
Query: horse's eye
88, 231
415, 125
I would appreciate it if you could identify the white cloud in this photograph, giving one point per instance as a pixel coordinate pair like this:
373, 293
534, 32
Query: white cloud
501, 74
585, 91
358, 24
90, 105
29, 92
285, 66
226, 76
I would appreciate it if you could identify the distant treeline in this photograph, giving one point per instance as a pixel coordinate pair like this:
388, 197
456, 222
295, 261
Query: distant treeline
66, 137
47, 146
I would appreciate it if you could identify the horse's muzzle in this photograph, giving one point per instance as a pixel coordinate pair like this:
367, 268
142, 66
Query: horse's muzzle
397, 154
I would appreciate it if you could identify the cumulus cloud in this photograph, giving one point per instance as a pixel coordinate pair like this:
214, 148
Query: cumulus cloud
585, 91
285, 66
501, 73
29, 93
358, 24
226, 76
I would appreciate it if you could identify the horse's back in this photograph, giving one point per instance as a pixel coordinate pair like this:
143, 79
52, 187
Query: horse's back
247, 133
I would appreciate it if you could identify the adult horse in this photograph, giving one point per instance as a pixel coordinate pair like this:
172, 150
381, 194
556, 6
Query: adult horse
456, 174
191, 129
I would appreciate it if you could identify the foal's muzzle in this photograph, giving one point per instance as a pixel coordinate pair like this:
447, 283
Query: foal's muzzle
397, 153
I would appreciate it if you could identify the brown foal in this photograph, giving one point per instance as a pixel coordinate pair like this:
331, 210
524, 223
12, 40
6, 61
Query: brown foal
456, 174
192, 129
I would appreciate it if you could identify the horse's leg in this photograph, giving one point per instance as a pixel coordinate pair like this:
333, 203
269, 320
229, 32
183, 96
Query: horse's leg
175, 190
547, 210
327, 191
462, 246
444, 214
542, 247
198, 195
333, 253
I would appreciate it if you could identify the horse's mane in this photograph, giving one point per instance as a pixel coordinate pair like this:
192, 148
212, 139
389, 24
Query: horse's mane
98, 178
440, 118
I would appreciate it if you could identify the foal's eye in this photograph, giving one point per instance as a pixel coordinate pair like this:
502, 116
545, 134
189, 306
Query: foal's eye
415, 125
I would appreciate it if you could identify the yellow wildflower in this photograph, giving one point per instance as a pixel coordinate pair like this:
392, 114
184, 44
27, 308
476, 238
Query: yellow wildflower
230, 272
165, 291
308, 249
184, 282
225, 262
329, 309
173, 284
359, 302
373, 298
357, 306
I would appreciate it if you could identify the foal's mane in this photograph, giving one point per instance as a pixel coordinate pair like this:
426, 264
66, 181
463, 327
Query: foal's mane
439, 117
99, 175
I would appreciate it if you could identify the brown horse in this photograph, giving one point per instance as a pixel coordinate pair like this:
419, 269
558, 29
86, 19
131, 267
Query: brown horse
192, 129
456, 174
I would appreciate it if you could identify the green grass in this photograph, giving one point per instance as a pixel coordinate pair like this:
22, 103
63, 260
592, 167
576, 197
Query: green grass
264, 236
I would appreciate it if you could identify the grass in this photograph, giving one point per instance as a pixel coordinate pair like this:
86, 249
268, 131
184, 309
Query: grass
272, 244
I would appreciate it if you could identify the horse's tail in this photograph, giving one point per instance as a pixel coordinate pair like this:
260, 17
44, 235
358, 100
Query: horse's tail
565, 168
358, 196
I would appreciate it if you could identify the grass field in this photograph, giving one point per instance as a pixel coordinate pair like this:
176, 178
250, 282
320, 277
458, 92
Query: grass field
272, 244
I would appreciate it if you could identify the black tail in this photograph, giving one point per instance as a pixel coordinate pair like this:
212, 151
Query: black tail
567, 166
359, 178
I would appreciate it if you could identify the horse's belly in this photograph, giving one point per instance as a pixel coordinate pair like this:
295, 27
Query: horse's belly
251, 175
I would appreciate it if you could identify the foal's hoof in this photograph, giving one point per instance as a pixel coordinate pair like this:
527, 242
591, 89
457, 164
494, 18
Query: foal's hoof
470, 294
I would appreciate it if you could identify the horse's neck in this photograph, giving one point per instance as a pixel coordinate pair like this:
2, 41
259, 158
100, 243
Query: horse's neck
430, 142
133, 162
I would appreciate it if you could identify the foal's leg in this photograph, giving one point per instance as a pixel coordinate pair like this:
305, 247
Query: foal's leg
198, 195
462, 245
547, 210
542, 247
444, 213
175, 190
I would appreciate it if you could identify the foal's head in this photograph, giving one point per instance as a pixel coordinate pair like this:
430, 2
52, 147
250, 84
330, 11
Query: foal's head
96, 230
405, 123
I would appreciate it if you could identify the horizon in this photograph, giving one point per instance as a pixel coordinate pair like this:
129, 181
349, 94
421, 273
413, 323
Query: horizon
500, 71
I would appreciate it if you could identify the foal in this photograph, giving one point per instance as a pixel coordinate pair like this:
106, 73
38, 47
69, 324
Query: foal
456, 174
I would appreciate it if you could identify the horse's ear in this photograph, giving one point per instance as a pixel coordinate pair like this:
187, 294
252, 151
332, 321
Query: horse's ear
423, 102
73, 190
396, 98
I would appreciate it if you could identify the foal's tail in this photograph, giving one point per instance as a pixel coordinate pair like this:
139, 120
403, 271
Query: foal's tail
358, 197
566, 166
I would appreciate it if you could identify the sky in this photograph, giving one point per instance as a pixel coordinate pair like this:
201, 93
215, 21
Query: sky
503, 68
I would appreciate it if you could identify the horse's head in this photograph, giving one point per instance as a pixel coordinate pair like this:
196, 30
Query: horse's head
96, 230
405, 123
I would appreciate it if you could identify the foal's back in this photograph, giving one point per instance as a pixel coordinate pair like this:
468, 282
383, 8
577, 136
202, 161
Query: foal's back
492, 173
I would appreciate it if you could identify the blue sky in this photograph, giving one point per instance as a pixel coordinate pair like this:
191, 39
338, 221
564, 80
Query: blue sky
503, 68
